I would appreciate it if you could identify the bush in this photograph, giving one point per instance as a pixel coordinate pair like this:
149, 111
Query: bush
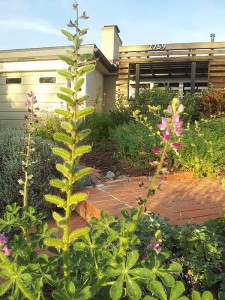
202, 152
213, 103
48, 125
134, 145
43, 169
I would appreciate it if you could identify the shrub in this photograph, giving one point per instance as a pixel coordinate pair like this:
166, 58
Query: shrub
203, 152
134, 145
43, 168
120, 117
48, 125
213, 103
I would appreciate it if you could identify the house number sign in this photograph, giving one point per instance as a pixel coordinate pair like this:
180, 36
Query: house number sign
157, 47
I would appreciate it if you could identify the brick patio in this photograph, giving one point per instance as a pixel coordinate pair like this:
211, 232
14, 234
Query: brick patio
181, 199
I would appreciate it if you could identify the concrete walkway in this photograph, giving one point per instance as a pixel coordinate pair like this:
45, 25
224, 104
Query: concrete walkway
181, 198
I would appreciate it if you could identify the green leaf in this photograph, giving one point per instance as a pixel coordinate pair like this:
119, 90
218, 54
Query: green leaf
83, 172
87, 293
83, 98
65, 98
143, 273
78, 84
59, 295
67, 34
75, 198
77, 233
113, 272
80, 246
67, 91
132, 259
196, 296
59, 184
63, 138
70, 288
4, 287
63, 170
67, 59
86, 69
116, 289
207, 296
62, 152
149, 298
167, 279
63, 112
67, 126
175, 268
63, 223
66, 74
56, 200
86, 56
84, 112
57, 217
83, 134
54, 243
82, 150
133, 288
157, 288
177, 290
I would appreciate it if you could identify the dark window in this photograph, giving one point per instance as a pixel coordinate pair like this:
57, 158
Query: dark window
13, 80
47, 79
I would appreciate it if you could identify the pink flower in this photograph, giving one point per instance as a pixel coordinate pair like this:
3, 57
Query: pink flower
176, 146
3, 238
169, 109
156, 150
30, 94
163, 125
6, 251
34, 100
180, 108
28, 103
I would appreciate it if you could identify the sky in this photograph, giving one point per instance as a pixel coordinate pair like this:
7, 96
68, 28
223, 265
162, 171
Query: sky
37, 23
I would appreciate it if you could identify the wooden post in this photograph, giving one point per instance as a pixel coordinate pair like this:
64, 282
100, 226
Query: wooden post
137, 82
193, 75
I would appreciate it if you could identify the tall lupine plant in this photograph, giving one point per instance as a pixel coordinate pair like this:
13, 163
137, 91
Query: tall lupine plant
78, 65
170, 131
31, 119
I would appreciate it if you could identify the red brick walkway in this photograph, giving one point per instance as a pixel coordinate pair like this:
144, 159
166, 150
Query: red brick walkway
181, 200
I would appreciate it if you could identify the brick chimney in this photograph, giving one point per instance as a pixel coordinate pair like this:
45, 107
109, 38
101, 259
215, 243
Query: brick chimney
110, 42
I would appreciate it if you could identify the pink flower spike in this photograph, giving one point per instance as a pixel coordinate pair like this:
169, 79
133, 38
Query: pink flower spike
28, 103
176, 146
156, 150
180, 108
6, 251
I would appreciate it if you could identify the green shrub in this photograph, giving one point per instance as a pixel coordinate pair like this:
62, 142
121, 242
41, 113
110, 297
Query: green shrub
134, 145
203, 152
48, 125
43, 169
100, 124
120, 117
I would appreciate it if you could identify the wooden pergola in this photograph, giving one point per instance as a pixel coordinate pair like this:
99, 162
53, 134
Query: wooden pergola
194, 64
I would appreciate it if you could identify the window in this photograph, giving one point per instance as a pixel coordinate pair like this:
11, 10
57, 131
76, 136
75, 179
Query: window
47, 79
13, 80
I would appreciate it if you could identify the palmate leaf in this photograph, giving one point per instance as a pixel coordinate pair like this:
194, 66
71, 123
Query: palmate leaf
78, 197
66, 155
177, 290
56, 200
77, 233
67, 34
82, 150
79, 83
65, 74
59, 184
63, 112
62, 137
84, 112
132, 259
83, 172
133, 288
167, 279
156, 287
66, 98
85, 69
54, 243
87, 293
67, 59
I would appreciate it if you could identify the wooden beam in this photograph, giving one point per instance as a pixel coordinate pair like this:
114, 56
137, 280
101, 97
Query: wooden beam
193, 76
137, 82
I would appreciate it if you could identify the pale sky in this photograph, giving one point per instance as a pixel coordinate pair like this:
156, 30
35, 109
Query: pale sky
37, 23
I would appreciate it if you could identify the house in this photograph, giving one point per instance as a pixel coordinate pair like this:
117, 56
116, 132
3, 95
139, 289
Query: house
35, 70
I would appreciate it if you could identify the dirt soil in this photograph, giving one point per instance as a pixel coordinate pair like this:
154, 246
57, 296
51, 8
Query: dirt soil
104, 161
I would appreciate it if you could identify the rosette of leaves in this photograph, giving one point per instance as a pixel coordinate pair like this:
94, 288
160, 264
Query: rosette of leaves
71, 150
